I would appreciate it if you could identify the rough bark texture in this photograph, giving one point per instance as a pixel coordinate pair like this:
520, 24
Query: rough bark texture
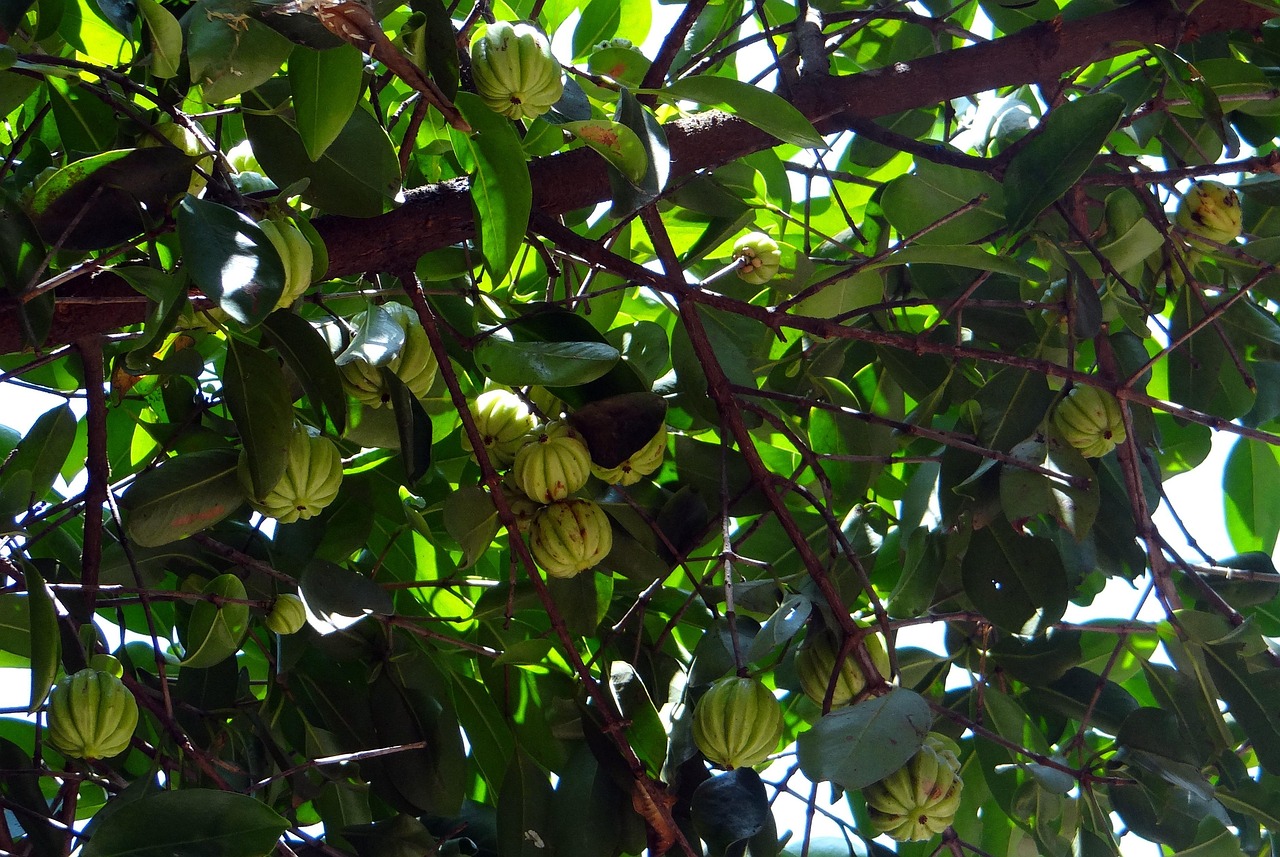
439, 215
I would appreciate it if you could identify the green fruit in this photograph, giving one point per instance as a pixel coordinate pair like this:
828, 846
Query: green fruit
919, 800
760, 258
737, 723
312, 475
92, 715
415, 364
639, 464
288, 615
295, 254
1211, 210
570, 536
1090, 420
503, 420
514, 71
816, 662
552, 463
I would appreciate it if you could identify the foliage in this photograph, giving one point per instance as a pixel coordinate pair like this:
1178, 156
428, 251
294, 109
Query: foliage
232, 223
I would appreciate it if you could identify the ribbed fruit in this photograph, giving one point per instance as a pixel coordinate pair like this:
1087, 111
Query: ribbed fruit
639, 464
570, 536
1090, 420
553, 463
919, 800
503, 420
737, 723
92, 715
288, 615
1211, 210
816, 662
514, 71
760, 256
415, 364
312, 476
295, 253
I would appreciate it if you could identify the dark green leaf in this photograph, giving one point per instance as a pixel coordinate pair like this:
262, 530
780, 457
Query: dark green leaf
730, 809
258, 400
46, 642
213, 822
182, 496
472, 520
856, 746
308, 357
230, 259
549, 364
1018, 582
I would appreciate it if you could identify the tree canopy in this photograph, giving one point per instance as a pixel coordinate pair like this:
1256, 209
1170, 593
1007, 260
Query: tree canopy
543, 428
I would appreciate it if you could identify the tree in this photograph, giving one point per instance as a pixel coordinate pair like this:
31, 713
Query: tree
617, 437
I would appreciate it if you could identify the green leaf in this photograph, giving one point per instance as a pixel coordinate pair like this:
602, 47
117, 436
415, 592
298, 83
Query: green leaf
524, 808
338, 596
864, 743
230, 259
166, 39
46, 642
182, 496
231, 53
1064, 146
258, 400
962, 256
325, 87
501, 193
472, 520
1017, 582
616, 143
216, 629
549, 364
212, 822
1025, 494
308, 357
628, 196
933, 192
36, 463
730, 809
413, 426
1249, 496
599, 22
767, 111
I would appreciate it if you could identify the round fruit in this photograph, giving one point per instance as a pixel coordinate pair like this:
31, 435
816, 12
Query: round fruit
295, 254
760, 257
288, 615
919, 800
1090, 420
1211, 210
816, 661
514, 71
639, 464
415, 364
737, 723
552, 463
92, 715
569, 537
312, 475
503, 420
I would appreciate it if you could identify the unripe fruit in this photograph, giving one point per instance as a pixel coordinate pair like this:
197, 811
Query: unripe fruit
919, 800
288, 615
312, 476
816, 661
503, 420
92, 715
415, 365
737, 723
514, 71
1090, 420
552, 463
639, 464
295, 254
1211, 210
760, 256
569, 537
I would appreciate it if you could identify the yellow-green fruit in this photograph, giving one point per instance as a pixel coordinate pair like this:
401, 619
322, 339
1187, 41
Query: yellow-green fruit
639, 464
288, 615
1211, 210
919, 800
92, 715
569, 537
189, 144
295, 254
1090, 420
521, 506
514, 71
737, 723
553, 463
414, 364
503, 420
816, 662
760, 258
312, 476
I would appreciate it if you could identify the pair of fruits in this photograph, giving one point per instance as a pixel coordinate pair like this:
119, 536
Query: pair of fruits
92, 714
920, 799
514, 71
312, 476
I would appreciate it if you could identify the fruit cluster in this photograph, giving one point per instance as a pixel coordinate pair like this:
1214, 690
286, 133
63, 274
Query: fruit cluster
920, 799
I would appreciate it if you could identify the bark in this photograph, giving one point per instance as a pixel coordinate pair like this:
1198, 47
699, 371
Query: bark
440, 215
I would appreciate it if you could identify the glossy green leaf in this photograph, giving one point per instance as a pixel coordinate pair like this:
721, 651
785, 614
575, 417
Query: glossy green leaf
616, 143
231, 53
1017, 582
45, 640
182, 496
1252, 515
309, 359
730, 809
501, 194
325, 86
627, 195
39, 457
230, 259
218, 623
856, 746
258, 400
472, 520
165, 35
764, 109
338, 596
213, 822
550, 364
